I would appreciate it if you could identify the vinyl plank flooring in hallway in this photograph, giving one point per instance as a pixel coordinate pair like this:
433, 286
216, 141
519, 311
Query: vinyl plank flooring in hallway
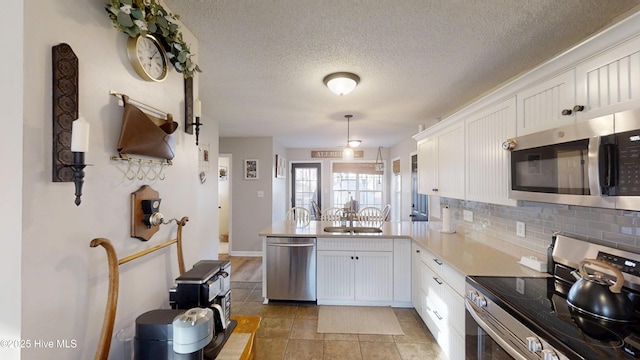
288, 329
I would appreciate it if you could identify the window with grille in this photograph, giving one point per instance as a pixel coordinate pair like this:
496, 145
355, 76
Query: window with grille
357, 181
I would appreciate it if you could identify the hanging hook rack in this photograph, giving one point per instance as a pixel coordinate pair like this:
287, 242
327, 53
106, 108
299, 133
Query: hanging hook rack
140, 104
132, 173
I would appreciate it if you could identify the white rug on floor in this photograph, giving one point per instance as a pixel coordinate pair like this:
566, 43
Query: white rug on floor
358, 320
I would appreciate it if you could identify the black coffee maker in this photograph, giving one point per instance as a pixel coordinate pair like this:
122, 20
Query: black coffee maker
207, 285
166, 334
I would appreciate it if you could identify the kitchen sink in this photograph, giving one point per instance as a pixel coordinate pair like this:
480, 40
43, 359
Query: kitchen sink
353, 229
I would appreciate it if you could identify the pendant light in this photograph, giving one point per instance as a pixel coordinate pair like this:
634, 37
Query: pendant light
347, 153
379, 166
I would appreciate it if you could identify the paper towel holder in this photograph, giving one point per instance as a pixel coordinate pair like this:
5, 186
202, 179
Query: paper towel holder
446, 221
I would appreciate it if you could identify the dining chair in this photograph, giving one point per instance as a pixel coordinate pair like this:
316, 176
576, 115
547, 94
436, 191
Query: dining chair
386, 212
370, 213
332, 214
299, 216
317, 212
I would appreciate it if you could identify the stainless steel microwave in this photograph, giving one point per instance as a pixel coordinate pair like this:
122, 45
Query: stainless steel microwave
591, 163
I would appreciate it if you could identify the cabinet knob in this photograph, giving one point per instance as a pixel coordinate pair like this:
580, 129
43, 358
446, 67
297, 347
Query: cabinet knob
567, 112
578, 108
434, 189
509, 144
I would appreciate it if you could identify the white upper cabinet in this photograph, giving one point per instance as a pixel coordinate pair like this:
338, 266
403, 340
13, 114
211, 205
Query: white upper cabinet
428, 165
487, 163
547, 105
609, 82
606, 83
441, 163
451, 162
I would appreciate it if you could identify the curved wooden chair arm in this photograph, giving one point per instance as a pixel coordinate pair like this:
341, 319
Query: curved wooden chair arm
104, 344
102, 353
181, 223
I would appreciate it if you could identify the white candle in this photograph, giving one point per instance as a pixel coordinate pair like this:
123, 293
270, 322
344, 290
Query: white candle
80, 135
197, 112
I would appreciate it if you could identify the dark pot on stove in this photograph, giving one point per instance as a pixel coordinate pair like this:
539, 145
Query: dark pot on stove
596, 296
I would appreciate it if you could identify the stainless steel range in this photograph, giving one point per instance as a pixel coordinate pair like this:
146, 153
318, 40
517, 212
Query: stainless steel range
530, 318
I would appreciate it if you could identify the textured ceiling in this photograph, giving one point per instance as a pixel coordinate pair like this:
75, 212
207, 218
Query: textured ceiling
418, 61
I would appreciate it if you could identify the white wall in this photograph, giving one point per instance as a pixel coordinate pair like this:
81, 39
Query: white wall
249, 212
11, 71
403, 150
64, 281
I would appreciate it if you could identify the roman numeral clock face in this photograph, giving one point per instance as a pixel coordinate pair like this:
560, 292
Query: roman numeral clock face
148, 58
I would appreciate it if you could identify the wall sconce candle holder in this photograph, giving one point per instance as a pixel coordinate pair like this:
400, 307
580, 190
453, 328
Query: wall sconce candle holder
191, 124
197, 125
78, 174
68, 163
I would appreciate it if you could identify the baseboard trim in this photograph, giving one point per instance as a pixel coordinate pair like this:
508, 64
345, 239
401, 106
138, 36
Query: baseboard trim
246, 253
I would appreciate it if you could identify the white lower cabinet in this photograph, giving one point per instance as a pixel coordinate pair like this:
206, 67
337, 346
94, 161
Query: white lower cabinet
355, 271
401, 272
438, 303
417, 296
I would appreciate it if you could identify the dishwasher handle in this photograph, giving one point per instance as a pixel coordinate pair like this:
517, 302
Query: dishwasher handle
292, 244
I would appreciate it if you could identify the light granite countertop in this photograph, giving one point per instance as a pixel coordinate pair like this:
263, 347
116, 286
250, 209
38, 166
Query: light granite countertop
462, 251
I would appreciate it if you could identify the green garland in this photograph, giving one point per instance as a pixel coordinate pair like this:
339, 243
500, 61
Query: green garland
140, 17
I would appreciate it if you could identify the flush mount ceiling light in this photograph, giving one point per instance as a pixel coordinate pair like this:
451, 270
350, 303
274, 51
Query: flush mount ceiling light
341, 83
347, 153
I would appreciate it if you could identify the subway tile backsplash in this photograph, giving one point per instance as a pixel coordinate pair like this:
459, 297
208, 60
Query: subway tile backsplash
614, 228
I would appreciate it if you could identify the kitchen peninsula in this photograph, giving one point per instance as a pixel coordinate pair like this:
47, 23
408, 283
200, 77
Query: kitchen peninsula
465, 251
407, 264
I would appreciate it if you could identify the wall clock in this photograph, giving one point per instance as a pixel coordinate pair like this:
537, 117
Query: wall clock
148, 57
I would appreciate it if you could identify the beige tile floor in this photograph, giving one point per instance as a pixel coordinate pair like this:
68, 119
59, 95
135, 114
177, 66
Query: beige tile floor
288, 331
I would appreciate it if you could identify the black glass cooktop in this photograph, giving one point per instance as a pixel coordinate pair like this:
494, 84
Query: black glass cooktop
540, 304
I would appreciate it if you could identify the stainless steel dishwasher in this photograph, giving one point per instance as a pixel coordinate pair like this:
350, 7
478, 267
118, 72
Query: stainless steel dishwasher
291, 268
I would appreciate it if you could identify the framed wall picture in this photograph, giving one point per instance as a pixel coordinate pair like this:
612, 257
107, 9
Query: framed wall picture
222, 172
281, 167
250, 169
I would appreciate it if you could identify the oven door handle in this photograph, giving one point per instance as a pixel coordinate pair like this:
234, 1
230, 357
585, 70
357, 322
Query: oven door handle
486, 327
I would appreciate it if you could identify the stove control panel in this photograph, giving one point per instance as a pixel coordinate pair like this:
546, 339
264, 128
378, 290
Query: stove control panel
625, 265
477, 299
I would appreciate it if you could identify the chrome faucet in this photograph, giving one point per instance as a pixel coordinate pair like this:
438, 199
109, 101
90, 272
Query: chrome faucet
347, 215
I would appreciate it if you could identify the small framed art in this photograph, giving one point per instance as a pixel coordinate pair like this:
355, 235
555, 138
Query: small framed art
251, 169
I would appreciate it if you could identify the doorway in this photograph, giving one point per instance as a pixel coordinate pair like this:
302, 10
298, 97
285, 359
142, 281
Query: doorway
419, 202
306, 185
224, 203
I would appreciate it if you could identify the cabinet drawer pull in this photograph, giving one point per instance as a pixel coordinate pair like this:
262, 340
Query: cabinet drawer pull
437, 280
437, 315
437, 261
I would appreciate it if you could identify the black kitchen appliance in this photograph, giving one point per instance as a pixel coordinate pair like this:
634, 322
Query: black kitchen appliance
166, 334
530, 318
207, 285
